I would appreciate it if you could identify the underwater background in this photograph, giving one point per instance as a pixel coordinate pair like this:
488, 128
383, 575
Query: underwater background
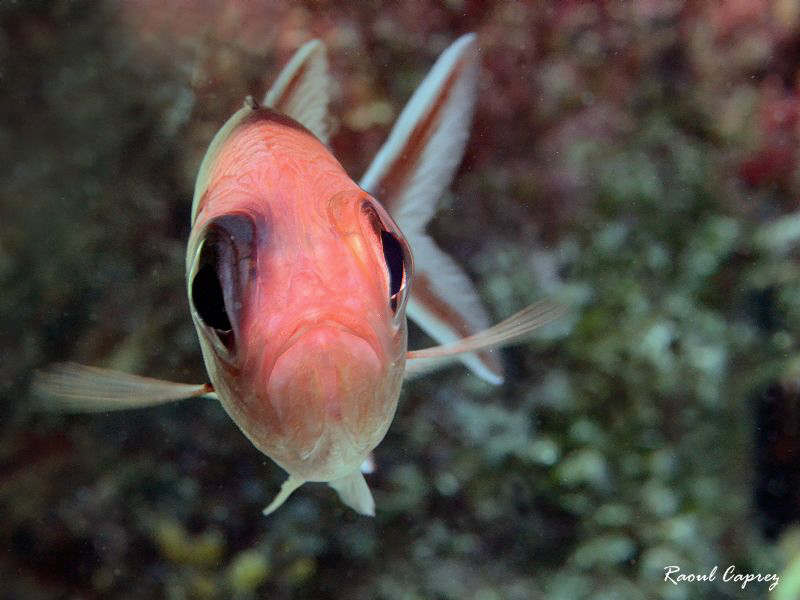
637, 161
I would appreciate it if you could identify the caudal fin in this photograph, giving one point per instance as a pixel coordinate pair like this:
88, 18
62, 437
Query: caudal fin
409, 175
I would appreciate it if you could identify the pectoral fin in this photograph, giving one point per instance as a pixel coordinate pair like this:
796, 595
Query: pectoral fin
354, 491
290, 485
445, 304
70, 387
512, 330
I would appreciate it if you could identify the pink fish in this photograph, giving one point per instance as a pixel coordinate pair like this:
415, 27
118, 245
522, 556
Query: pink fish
300, 280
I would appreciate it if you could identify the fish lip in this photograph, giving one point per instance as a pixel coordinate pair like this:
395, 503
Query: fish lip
339, 439
311, 323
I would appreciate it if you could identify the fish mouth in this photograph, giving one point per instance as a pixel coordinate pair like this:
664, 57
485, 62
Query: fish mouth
325, 389
330, 342
313, 323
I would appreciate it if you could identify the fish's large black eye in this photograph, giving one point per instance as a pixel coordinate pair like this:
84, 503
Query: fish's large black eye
395, 265
223, 267
209, 300
396, 254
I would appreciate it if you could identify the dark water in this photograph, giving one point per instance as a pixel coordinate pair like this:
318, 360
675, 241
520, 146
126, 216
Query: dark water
636, 160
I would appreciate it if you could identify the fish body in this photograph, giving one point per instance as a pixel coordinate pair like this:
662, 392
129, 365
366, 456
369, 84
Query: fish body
312, 363
300, 280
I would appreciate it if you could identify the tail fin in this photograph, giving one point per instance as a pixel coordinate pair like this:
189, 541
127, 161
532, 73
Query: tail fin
408, 176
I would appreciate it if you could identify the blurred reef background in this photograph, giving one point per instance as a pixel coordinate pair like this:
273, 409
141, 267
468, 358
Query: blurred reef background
637, 160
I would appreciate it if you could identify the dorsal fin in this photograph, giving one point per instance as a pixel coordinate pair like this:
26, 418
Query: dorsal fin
302, 90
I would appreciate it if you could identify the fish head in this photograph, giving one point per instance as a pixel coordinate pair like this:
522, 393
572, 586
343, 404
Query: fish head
298, 281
